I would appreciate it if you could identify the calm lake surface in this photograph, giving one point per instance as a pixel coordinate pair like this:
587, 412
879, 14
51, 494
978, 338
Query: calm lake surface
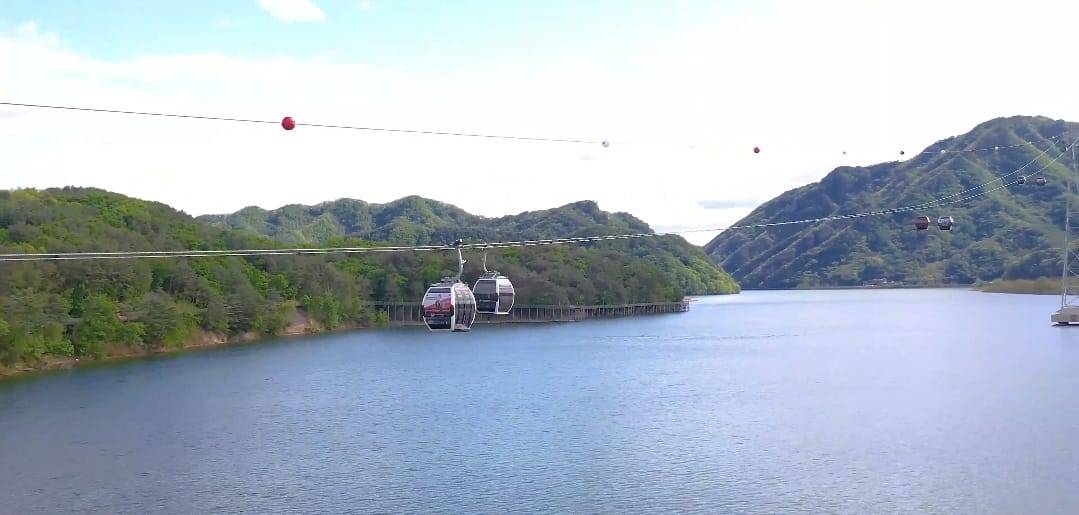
942, 401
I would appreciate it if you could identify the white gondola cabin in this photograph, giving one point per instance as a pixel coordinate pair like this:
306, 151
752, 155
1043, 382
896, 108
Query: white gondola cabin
494, 294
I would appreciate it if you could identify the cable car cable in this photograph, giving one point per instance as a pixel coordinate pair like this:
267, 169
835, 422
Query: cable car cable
605, 143
67, 256
292, 124
487, 245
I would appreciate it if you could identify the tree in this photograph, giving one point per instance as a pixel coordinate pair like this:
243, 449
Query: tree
98, 328
165, 323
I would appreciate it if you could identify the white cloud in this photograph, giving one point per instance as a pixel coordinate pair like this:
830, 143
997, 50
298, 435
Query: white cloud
804, 86
366, 5
29, 32
293, 10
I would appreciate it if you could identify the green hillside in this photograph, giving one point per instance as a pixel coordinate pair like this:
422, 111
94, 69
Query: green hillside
418, 221
1010, 233
102, 307
411, 219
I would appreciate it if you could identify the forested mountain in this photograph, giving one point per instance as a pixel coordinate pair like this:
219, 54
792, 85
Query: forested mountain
1011, 232
418, 221
413, 220
90, 308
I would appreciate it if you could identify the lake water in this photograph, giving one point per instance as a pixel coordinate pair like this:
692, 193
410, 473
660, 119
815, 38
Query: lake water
941, 401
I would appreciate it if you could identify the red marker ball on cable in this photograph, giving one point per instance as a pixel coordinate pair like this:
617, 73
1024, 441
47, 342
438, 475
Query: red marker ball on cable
288, 123
756, 150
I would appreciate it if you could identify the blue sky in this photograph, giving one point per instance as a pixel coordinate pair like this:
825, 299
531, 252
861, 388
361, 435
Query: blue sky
684, 89
382, 31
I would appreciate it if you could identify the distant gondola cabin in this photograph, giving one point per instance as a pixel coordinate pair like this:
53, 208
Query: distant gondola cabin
921, 223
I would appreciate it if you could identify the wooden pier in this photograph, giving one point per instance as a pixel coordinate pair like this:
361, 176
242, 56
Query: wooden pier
411, 313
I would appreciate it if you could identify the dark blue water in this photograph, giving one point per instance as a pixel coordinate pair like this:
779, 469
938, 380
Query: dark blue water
841, 401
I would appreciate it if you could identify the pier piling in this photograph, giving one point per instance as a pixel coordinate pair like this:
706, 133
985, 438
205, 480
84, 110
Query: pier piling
411, 313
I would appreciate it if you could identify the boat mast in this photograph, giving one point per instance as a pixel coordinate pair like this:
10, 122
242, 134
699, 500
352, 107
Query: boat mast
1069, 310
1066, 256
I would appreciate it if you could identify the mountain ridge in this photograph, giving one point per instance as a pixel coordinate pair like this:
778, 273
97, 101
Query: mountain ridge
415, 220
389, 221
1004, 233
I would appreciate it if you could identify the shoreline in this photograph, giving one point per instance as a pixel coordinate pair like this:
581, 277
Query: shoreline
1041, 286
206, 340
301, 325
1001, 288
898, 287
